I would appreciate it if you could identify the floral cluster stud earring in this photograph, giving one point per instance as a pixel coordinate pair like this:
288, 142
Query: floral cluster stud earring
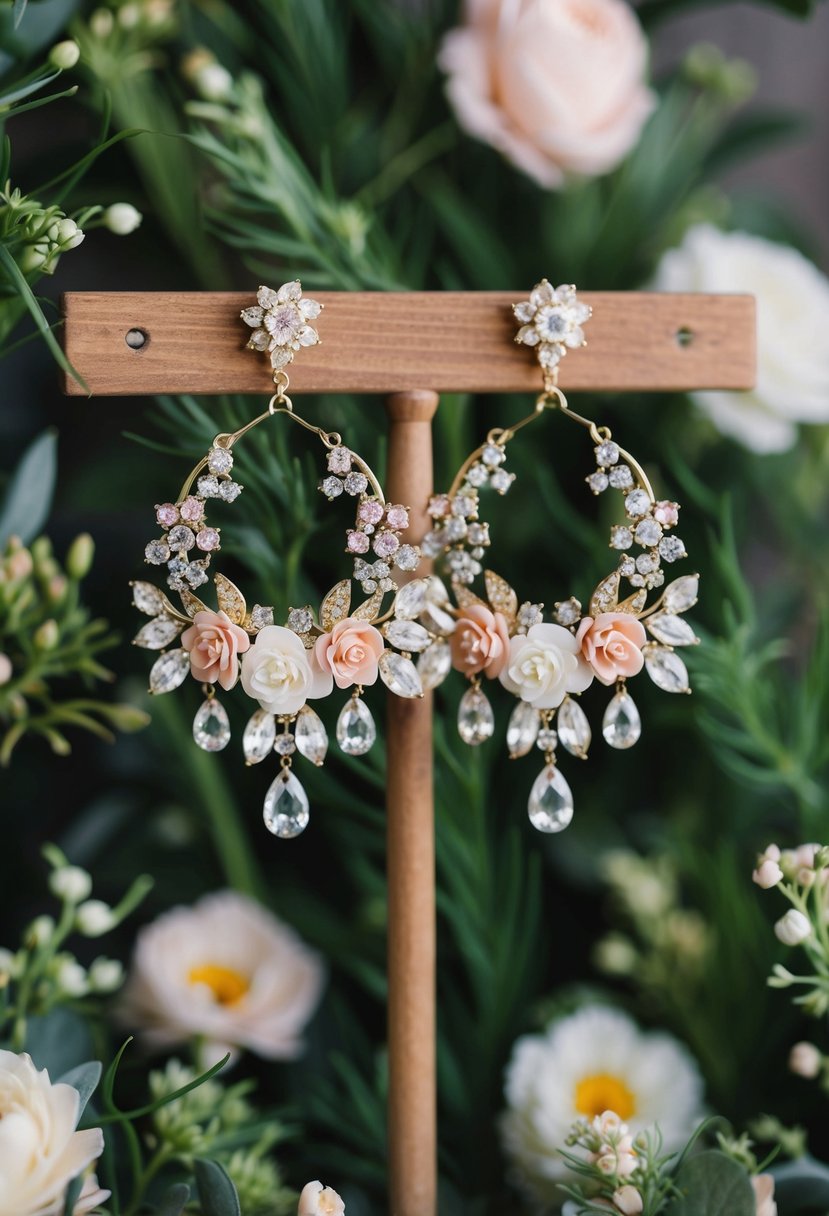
548, 664
284, 667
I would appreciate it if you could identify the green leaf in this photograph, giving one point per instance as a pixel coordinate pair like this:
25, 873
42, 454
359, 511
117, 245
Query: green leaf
753, 133
802, 1185
18, 281
713, 1185
217, 1193
84, 1078
58, 1041
72, 1194
174, 1201
29, 496
18, 9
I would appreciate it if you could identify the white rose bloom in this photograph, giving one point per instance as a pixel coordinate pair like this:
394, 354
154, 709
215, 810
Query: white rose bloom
593, 1061
40, 1151
319, 1200
544, 665
227, 970
792, 319
280, 673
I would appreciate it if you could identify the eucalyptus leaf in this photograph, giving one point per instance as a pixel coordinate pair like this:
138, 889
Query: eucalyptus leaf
174, 1201
18, 10
712, 1184
84, 1078
802, 1186
29, 495
72, 1194
217, 1194
58, 1041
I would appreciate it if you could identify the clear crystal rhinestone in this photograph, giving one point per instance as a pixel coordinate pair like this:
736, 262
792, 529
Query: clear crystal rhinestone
356, 483
411, 600
501, 480
573, 728
169, 670
477, 475
284, 744
147, 598
620, 537
530, 614
492, 455
478, 534
181, 538
476, 721
229, 491
551, 801
260, 617
158, 633
637, 580
195, 574
620, 477
654, 580
621, 725
219, 460
211, 728
339, 460
434, 664
434, 542
331, 487
607, 453
437, 619
455, 529
598, 482
648, 532
666, 669
157, 552
568, 611
258, 737
356, 731
311, 736
671, 548
672, 630
646, 563
208, 487
522, 729
408, 635
681, 594
547, 740
399, 674
286, 806
627, 566
637, 503
300, 620
407, 558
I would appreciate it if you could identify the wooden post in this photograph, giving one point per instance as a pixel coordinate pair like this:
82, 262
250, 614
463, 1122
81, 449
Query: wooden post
412, 1113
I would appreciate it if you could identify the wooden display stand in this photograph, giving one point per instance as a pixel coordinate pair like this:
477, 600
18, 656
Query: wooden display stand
410, 347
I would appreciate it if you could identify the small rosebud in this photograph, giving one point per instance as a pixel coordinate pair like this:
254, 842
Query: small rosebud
18, 565
94, 918
71, 977
5, 668
40, 931
628, 1201
805, 1060
47, 635
793, 929
106, 974
80, 555
122, 218
70, 883
768, 874
57, 588
65, 55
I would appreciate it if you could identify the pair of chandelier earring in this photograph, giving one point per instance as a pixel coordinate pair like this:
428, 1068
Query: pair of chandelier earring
427, 630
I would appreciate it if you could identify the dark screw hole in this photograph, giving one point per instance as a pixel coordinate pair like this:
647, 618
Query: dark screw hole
684, 336
136, 338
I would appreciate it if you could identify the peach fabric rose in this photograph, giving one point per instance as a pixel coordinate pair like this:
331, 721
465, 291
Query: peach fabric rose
350, 652
612, 644
480, 642
556, 86
215, 643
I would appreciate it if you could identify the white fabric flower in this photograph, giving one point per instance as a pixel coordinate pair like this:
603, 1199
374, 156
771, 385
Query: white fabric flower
792, 319
319, 1200
225, 969
583, 1065
40, 1150
544, 665
280, 673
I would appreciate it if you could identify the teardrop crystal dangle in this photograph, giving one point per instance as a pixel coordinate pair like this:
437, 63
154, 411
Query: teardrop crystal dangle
356, 731
551, 801
476, 721
286, 806
621, 725
311, 736
522, 729
211, 728
573, 728
259, 736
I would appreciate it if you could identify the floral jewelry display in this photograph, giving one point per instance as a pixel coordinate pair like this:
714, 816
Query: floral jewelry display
548, 664
284, 667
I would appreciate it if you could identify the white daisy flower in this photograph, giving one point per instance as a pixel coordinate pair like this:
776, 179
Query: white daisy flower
280, 322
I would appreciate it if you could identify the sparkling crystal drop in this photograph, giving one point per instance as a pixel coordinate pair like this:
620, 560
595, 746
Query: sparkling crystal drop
670, 629
573, 728
411, 599
399, 674
434, 664
311, 736
169, 670
258, 739
356, 731
522, 729
158, 633
211, 728
551, 801
681, 594
476, 721
666, 669
286, 806
621, 725
408, 635
147, 598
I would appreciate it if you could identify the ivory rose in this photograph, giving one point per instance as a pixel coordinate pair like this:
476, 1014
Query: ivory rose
40, 1150
545, 664
215, 643
480, 642
280, 673
612, 644
319, 1200
763, 1185
350, 652
556, 86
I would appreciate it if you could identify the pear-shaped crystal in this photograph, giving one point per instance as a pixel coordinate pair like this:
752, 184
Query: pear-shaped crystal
681, 594
437, 619
476, 721
551, 801
399, 674
621, 725
211, 728
286, 806
573, 728
158, 633
356, 731
522, 729
666, 669
434, 664
672, 630
310, 735
169, 670
148, 599
411, 600
408, 635
259, 736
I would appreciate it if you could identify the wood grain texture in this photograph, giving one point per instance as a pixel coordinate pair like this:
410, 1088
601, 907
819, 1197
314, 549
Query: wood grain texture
375, 342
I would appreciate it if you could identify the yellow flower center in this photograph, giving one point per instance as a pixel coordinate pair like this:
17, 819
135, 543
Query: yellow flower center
601, 1092
228, 986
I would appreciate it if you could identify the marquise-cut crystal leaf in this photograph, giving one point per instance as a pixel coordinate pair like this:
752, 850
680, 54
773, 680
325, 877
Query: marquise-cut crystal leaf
211, 728
158, 633
408, 635
149, 600
606, 595
501, 596
230, 599
286, 806
476, 721
666, 669
370, 608
437, 619
356, 731
522, 729
551, 801
169, 670
399, 674
434, 664
573, 728
621, 725
672, 630
192, 603
681, 594
310, 735
336, 604
411, 599
259, 736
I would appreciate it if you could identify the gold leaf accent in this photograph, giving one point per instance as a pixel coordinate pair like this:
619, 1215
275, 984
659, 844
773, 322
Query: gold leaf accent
192, 603
634, 603
606, 596
501, 596
466, 598
230, 599
335, 606
369, 610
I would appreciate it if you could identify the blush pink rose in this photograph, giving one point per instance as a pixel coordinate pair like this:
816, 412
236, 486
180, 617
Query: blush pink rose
612, 644
350, 652
556, 86
215, 643
480, 642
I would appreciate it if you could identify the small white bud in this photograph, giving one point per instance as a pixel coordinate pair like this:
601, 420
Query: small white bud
40, 930
106, 974
793, 929
805, 1060
65, 55
122, 218
628, 1201
33, 258
101, 23
5, 668
129, 16
71, 977
69, 234
70, 883
317, 1200
213, 82
94, 918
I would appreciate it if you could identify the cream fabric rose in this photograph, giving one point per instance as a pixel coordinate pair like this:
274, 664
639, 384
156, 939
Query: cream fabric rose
319, 1200
40, 1151
763, 1185
480, 642
215, 643
544, 665
792, 319
225, 969
350, 652
612, 644
556, 86
280, 673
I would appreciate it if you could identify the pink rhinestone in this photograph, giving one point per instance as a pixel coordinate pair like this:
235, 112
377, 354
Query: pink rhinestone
370, 512
167, 514
357, 541
191, 510
339, 460
397, 518
666, 513
207, 539
385, 543
439, 505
